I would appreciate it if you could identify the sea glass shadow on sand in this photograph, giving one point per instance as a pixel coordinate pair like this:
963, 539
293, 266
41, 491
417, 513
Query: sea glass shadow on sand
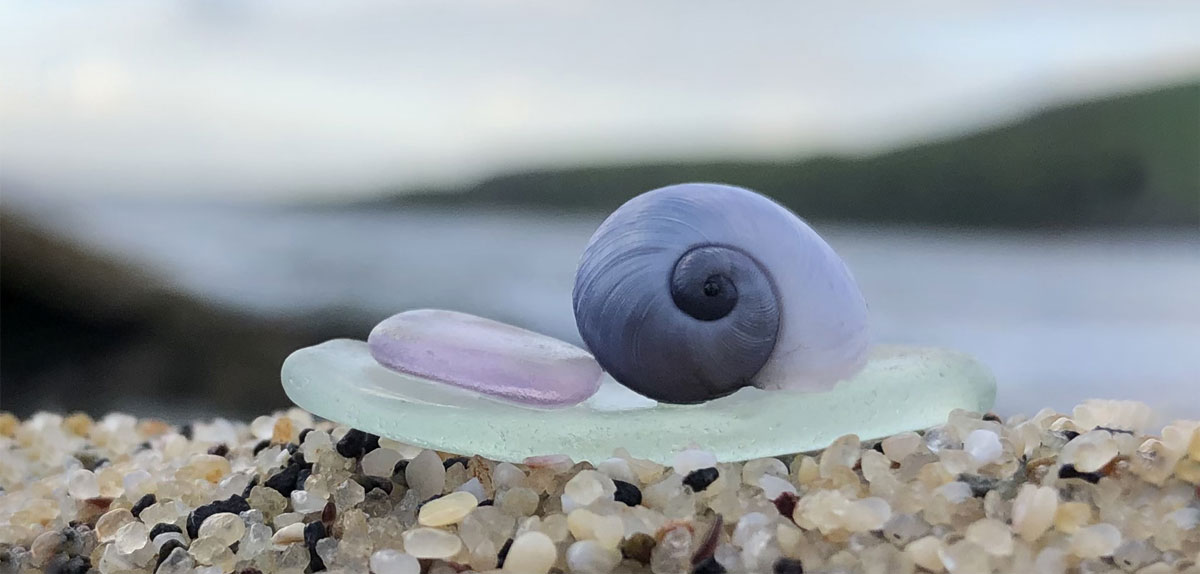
901, 388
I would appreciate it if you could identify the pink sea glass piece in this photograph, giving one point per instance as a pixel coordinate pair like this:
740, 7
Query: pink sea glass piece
486, 356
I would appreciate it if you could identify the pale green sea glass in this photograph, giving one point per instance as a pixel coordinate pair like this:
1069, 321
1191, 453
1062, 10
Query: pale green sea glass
901, 388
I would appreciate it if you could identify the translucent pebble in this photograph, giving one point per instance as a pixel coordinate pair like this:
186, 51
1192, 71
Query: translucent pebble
475, 487
449, 509
1050, 560
556, 463
425, 542
163, 538
168, 511
591, 557
750, 524
82, 484
992, 536
132, 536
232, 484
210, 467
209, 551
305, 502
1095, 541
315, 443
1134, 554
507, 475
1033, 511
867, 514
348, 494
518, 501
926, 553
954, 492
1072, 516
843, 453
426, 475
1091, 451
608, 530
380, 462
1126, 415
268, 500
1154, 461
46, 545
327, 550
110, 522
262, 427
294, 558
619, 469
983, 446
901, 529
899, 447
289, 534
773, 486
389, 561
223, 526
755, 469
686, 461
587, 486
531, 553
255, 541
964, 557
286, 519
135, 483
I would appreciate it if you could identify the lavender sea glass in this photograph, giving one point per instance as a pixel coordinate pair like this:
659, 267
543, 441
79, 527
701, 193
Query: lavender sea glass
486, 356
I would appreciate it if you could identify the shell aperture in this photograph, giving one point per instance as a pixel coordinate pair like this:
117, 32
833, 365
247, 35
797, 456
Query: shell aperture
689, 292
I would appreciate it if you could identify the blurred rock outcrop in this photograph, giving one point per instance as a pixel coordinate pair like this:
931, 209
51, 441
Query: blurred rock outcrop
81, 331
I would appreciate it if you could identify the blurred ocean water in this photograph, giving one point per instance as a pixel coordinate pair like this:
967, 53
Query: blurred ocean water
1058, 317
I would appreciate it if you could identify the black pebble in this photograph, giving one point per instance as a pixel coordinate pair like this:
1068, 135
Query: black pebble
235, 504
699, 480
500, 556
166, 549
627, 493
356, 443
142, 503
455, 460
314, 532
304, 433
219, 450
187, 431
249, 487
788, 566
249, 571
877, 447
284, 481
398, 476
262, 444
371, 482
488, 502
74, 565
1068, 471
162, 527
709, 566
302, 476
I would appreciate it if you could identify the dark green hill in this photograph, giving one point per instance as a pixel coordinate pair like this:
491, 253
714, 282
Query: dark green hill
1131, 159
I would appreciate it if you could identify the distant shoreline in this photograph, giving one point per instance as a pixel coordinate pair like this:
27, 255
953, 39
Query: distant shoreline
1131, 160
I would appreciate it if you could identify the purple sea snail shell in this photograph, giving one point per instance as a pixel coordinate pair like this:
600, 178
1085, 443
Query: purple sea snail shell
689, 292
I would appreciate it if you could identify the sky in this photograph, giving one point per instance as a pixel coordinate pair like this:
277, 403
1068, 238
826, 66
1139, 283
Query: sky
312, 100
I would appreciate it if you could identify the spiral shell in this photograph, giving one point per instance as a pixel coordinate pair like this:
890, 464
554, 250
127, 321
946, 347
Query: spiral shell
690, 292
